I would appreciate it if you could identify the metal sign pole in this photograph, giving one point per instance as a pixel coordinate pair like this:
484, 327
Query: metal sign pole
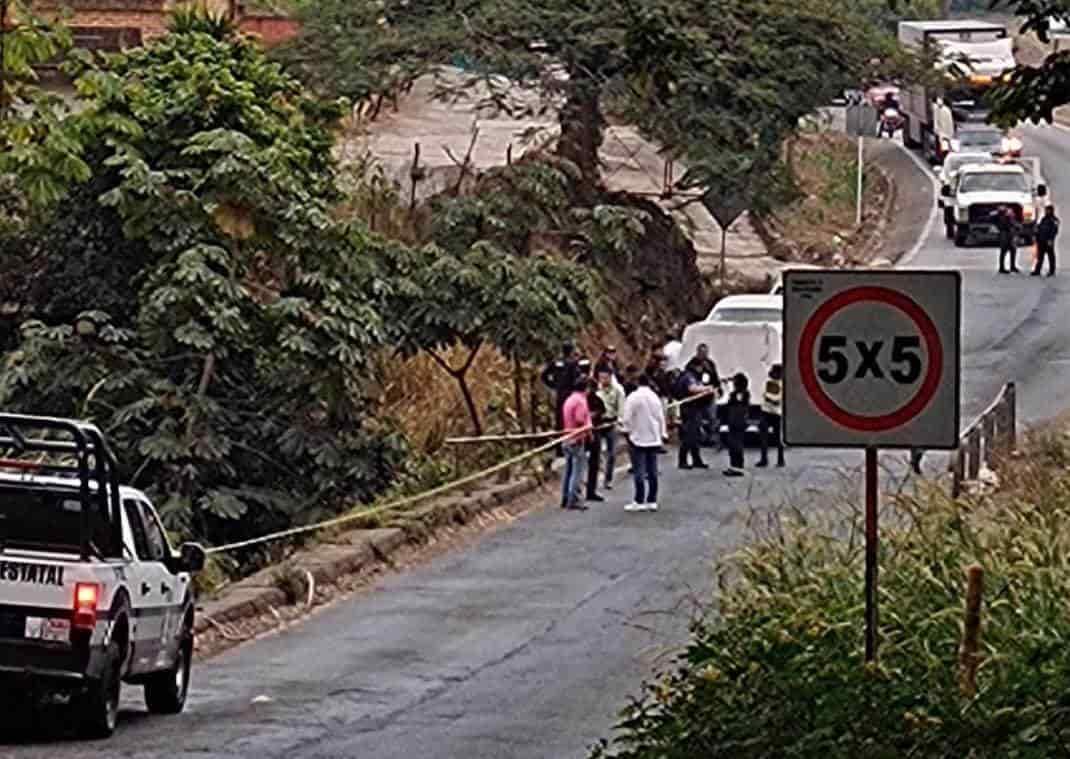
724, 244
858, 203
871, 554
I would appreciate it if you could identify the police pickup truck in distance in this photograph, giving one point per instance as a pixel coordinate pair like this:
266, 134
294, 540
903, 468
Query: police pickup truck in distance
91, 593
980, 190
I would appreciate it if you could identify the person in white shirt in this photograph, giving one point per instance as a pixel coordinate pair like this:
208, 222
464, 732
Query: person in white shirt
643, 420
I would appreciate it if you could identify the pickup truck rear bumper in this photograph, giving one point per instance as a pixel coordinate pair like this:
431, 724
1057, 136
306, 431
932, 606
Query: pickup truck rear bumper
55, 666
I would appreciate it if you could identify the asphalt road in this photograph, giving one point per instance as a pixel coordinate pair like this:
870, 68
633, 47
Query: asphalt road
526, 644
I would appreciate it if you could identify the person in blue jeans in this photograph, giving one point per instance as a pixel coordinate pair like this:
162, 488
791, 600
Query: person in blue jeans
577, 422
643, 420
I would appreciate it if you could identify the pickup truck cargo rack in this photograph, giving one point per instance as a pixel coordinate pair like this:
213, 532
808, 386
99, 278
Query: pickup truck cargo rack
22, 434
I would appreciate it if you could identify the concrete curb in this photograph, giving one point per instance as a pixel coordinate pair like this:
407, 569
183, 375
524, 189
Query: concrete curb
353, 551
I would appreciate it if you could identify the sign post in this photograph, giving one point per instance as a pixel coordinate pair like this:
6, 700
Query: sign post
871, 361
860, 119
725, 209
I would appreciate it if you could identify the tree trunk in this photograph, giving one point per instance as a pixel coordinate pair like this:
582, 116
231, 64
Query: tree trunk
518, 393
469, 402
582, 130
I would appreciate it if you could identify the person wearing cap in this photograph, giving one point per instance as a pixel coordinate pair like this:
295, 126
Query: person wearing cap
608, 360
560, 376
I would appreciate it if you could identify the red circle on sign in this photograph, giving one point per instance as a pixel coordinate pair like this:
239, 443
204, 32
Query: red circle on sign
908, 410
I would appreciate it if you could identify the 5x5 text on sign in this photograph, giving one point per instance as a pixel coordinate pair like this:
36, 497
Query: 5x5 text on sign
871, 359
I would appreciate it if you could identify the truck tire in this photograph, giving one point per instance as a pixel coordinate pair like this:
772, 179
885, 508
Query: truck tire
908, 141
165, 692
99, 706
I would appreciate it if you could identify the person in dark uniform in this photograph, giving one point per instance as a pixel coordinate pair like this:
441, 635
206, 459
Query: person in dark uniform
594, 445
1047, 231
689, 385
560, 376
631, 379
1007, 225
737, 409
709, 376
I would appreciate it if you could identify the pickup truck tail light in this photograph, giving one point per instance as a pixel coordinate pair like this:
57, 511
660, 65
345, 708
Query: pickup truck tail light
86, 596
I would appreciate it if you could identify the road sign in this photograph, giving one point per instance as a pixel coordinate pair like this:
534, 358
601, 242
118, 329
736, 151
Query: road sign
871, 359
860, 119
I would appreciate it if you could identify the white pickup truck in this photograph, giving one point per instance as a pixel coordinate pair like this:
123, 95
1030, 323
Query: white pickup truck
979, 190
91, 593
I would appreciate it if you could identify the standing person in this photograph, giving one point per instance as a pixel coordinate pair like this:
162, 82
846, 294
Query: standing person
711, 379
631, 379
1047, 231
594, 445
1007, 225
612, 396
560, 376
693, 394
771, 404
737, 409
608, 360
643, 420
577, 422
662, 385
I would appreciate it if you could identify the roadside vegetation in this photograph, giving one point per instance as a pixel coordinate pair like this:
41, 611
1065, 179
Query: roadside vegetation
818, 225
269, 338
776, 668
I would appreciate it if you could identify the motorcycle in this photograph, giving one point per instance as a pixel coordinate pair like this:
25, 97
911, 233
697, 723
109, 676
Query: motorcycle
890, 122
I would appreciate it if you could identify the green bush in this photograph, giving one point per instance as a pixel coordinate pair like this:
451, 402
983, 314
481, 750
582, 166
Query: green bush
777, 670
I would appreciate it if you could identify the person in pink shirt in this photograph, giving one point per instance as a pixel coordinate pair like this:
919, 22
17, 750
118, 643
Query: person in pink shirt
576, 415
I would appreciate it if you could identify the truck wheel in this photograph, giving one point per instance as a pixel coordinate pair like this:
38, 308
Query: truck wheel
907, 141
165, 692
100, 704
960, 238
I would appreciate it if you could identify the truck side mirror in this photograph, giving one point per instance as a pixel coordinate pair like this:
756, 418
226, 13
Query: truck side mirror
946, 191
191, 558
1042, 190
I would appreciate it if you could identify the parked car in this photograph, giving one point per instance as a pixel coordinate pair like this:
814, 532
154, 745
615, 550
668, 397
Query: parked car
748, 309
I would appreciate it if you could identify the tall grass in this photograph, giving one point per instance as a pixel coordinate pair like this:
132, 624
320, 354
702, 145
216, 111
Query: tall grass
775, 671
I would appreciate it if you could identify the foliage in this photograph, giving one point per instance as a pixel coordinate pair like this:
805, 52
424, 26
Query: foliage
777, 671
717, 85
482, 295
235, 379
30, 146
1032, 93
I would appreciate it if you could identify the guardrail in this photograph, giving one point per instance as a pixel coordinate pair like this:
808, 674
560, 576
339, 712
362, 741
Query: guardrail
992, 432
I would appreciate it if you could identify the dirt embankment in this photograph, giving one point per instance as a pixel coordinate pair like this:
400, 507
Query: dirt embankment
820, 226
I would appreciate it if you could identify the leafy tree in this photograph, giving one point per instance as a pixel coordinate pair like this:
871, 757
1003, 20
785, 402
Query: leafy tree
718, 85
29, 144
481, 295
234, 380
1032, 93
